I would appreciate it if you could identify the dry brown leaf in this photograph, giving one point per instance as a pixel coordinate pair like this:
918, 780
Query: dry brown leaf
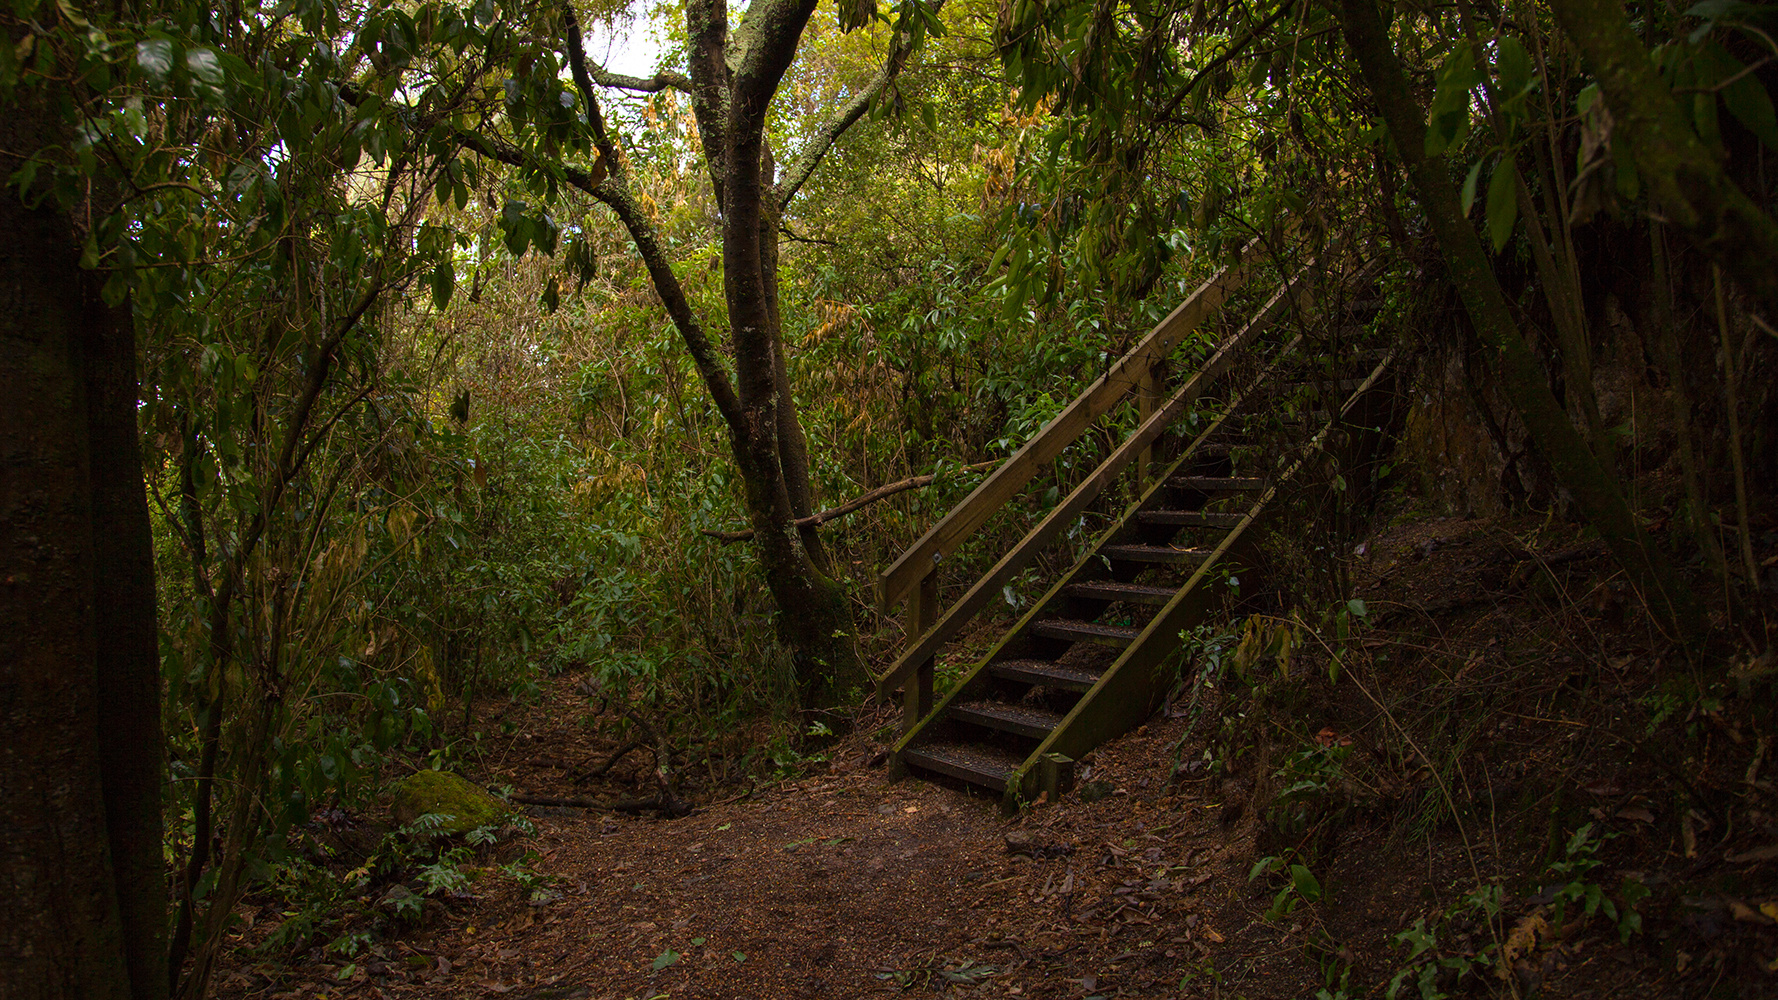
1747, 914
1522, 940
1766, 853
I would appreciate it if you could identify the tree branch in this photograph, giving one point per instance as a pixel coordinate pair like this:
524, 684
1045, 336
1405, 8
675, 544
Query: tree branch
664, 80
900, 47
887, 490
767, 42
706, 28
613, 191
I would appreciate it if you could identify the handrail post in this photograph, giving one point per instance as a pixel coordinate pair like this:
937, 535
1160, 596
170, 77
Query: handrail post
1148, 397
922, 611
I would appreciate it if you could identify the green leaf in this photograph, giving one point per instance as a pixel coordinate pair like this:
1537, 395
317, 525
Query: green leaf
1588, 96
1256, 74
665, 958
1503, 204
1748, 101
444, 279
155, 58
1704, 118
205, 67
1306, 884
1447, 118
1516, 76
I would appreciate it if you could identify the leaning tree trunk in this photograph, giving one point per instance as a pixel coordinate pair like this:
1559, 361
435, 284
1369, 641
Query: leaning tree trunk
82, 897
793, 445
1686, 182
1595, 492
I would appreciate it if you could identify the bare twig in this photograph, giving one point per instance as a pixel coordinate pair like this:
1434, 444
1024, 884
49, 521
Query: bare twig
887, 490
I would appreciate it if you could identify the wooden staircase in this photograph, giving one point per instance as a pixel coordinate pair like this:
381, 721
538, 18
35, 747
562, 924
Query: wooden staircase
1088, 660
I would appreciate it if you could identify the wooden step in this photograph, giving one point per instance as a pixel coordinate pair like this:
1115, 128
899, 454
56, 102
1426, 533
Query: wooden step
1163, 554
1188, 518
1044, 674
988, 766
1073, 630
1129, 593
1218, 484
1020, 720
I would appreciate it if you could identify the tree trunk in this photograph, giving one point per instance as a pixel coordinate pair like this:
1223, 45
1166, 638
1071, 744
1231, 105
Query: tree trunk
814, 617
731, 86
793, 446
1686, 183
61, 928
1595, 492
130, 738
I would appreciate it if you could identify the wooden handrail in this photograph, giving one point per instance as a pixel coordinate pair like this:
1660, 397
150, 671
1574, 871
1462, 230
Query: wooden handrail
1005, 482
1046, 530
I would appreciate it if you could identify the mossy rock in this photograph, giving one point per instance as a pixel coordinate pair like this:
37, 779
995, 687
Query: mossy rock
462, 805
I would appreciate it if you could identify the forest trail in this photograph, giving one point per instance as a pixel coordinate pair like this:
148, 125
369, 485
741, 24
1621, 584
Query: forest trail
840, 883
835, 884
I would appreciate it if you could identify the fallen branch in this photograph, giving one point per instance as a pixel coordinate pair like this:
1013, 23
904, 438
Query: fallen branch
605, 768
673, 807
889, 490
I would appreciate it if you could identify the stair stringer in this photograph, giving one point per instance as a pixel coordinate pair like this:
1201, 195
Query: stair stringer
1132, 687
1089, 566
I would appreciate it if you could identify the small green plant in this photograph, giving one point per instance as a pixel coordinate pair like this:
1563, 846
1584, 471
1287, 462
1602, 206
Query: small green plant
1580, 859
1307, 776
1430, 959
348, 912
1300, 886
1204, 972
1347, 619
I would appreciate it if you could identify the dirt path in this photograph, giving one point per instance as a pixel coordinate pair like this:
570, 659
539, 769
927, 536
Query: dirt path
838, 884
843, 884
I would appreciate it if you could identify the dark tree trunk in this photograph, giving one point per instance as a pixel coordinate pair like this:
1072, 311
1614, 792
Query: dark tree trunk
82, 902
732, 85
1686, 183
130, 740
1596, 493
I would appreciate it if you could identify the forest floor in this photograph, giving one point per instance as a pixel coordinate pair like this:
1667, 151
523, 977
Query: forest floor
838, 882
